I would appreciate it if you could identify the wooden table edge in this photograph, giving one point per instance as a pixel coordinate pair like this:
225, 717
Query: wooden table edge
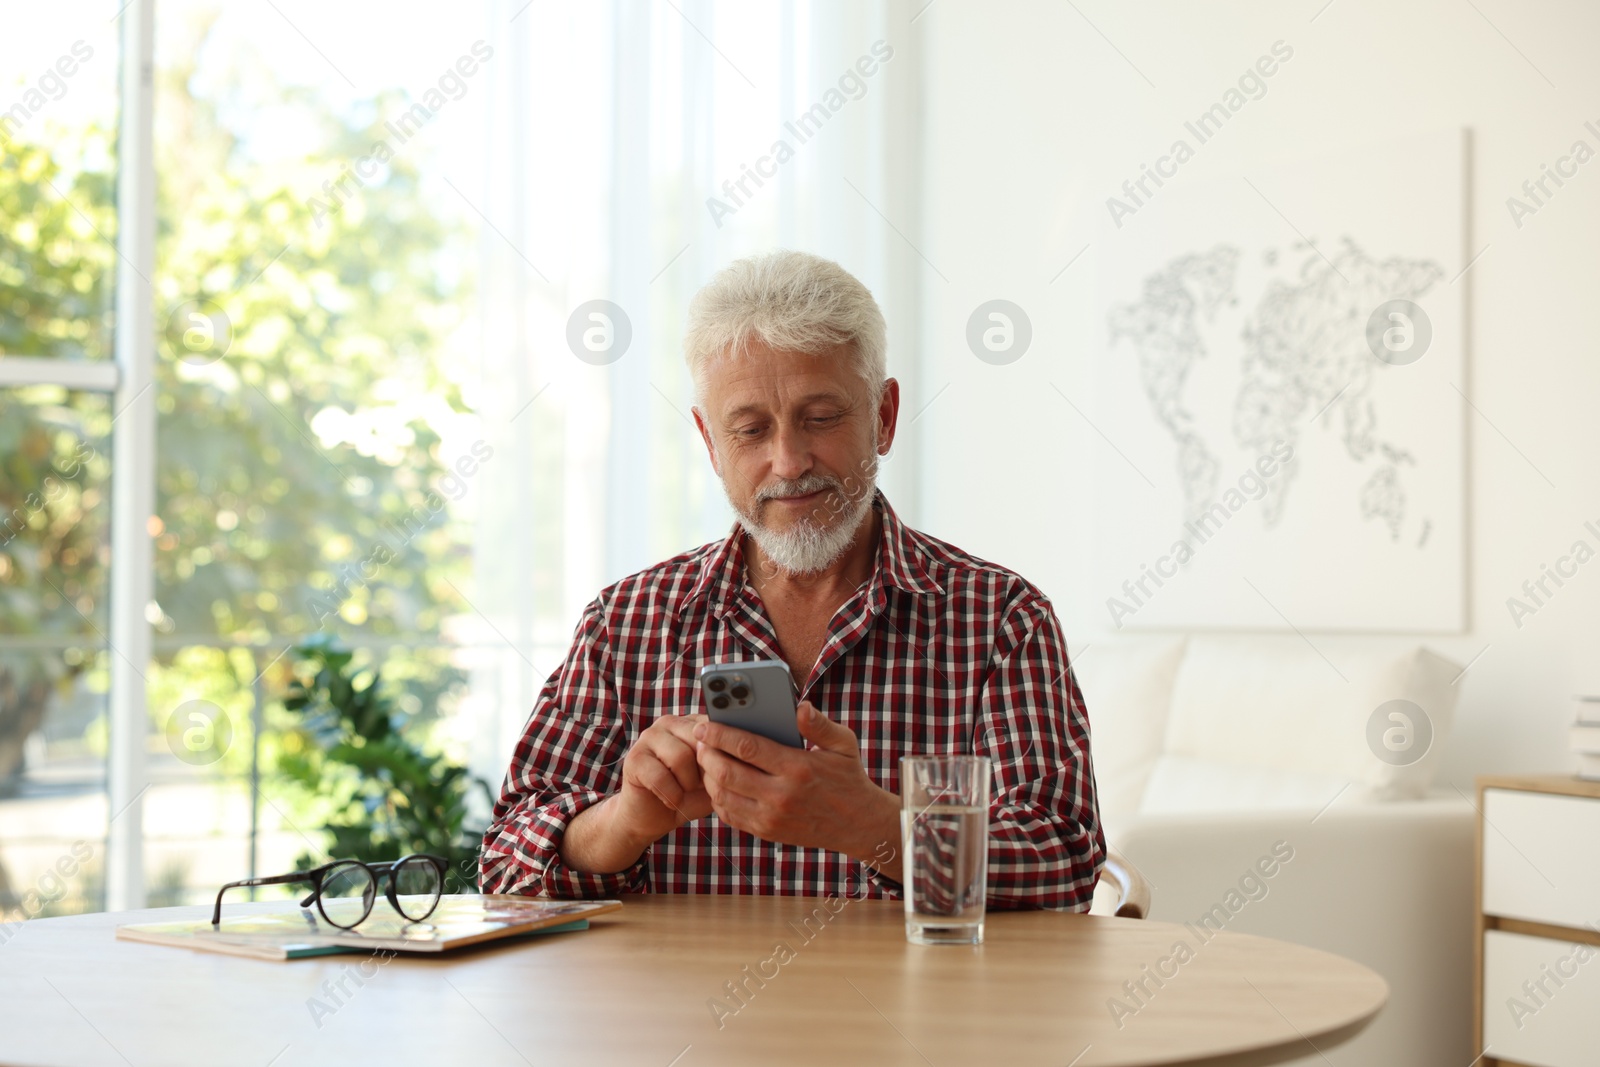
1279, 1051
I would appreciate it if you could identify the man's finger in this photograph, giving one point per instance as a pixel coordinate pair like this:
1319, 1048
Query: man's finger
680, 726
746, 746
678, 756
657, 779
735, 809
824, 732
697, 800
723, 773
739, 812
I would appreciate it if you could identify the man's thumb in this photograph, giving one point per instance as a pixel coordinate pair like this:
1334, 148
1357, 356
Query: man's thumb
823, 731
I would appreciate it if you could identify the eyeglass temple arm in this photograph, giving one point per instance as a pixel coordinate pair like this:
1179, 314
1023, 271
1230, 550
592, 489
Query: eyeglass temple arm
277, 879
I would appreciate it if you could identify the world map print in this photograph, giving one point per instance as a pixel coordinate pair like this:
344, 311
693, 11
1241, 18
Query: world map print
1302, 354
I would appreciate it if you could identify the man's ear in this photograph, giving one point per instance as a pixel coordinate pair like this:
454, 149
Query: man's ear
705, 435
888, 415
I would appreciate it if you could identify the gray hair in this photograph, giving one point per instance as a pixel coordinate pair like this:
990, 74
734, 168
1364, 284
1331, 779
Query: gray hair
791, 302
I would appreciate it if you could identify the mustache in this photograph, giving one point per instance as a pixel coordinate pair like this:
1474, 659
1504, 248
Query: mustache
782, 490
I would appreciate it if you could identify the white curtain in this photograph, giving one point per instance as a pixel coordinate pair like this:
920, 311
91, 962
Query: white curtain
611, 127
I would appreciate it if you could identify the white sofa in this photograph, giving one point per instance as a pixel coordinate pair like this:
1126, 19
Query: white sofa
1214, 753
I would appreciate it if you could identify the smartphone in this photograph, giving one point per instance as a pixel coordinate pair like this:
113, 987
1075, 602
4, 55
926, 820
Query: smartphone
754, 695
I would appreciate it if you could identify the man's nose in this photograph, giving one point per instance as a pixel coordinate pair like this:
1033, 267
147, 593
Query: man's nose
791, 453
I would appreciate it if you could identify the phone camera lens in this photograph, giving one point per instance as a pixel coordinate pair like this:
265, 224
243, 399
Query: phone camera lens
719, 701
739, 692
717, 684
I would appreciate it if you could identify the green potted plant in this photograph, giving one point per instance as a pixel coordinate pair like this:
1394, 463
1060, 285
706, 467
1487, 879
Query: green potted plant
389, 795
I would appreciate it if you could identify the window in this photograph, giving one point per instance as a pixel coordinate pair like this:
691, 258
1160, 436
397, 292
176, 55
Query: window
59, 113
416, 280
54, 553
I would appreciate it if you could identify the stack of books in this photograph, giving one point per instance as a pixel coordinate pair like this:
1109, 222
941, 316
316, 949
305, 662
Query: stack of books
1586, 737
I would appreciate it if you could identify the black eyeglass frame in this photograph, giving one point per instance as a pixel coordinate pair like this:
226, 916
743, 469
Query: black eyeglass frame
319, 877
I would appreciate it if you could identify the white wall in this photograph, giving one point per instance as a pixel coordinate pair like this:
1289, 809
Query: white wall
1033, 119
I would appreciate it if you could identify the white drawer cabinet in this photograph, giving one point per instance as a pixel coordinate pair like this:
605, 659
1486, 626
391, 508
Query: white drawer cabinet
1537, 988
1541, 857
1541, 1000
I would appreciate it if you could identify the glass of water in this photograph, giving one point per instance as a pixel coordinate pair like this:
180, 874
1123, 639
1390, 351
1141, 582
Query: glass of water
944, 826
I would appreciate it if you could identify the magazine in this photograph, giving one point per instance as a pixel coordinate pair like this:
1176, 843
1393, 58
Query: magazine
293, 933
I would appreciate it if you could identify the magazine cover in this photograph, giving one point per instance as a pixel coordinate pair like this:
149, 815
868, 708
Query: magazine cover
289, 933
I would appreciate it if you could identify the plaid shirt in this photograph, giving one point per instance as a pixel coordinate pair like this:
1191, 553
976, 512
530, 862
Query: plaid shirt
938, 653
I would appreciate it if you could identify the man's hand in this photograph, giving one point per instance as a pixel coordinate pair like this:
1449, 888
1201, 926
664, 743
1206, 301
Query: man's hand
661, 785
815, 798
661, 790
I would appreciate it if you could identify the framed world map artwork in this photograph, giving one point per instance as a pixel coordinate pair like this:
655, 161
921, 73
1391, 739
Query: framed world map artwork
1282, 379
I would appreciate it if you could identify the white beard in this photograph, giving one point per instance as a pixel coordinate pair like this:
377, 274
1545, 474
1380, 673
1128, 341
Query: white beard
807, 547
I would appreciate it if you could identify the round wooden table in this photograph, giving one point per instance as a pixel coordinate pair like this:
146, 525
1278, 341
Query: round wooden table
683, 981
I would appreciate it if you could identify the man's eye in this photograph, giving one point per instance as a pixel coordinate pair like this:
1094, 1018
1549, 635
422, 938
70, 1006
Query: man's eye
826, 420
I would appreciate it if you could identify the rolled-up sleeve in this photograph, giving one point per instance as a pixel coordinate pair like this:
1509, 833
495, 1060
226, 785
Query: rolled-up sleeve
1046, 846
569, 758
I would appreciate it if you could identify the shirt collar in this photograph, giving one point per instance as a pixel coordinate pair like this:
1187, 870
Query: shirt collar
901, 560
901, 563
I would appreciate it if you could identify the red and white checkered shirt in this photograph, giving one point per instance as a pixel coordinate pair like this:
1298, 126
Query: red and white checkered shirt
938, 653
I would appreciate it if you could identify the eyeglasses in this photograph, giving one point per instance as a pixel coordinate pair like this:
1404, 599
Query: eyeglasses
345, 889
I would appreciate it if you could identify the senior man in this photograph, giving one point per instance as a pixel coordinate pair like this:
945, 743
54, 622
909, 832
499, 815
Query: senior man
900, 644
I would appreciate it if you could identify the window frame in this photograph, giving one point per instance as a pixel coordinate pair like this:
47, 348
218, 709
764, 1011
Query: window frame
133, 461
129, 380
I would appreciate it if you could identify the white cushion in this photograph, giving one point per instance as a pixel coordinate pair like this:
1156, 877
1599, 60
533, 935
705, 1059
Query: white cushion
1179, 785
1248, 711
1127, 690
